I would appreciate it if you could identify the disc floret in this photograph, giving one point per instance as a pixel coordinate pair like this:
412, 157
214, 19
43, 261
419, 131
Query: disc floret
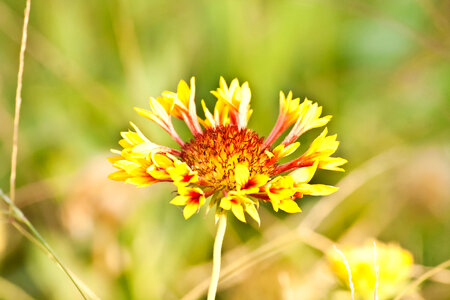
216, 153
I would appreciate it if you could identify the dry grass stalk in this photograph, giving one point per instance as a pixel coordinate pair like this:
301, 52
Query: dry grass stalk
23, 47
347, 266
430, 273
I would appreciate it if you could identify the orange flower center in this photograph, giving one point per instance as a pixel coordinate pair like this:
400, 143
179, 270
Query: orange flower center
215, 154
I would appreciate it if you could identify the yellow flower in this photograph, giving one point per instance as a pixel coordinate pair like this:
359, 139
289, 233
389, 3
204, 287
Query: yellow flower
281, 190
238, 203
181, 174
320, 151
247, 184
191, 198
309, 118
305, 115
281, 150
160, 114
301, 178
237, 101
132, 171
183, 106
225, 159
394, 268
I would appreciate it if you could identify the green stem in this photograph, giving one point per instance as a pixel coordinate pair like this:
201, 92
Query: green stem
222, 225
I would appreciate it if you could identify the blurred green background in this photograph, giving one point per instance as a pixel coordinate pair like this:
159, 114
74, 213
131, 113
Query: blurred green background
381, 68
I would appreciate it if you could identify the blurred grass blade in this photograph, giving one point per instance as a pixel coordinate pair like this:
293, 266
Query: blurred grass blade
9, 290
18, 218
422, 278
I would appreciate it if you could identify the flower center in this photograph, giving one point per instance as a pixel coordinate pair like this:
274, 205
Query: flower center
215, 154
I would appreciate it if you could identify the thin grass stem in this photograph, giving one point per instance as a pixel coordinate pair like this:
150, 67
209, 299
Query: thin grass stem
23, 46
53, 256
17, 219
422, 278
347, 266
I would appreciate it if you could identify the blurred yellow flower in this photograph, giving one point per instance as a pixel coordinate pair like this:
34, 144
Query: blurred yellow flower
225, 159
394, 268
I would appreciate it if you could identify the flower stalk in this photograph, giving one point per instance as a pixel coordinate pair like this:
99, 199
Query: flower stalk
221, 227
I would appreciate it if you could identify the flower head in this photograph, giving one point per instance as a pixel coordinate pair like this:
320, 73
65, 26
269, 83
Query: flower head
225, 159
393, 262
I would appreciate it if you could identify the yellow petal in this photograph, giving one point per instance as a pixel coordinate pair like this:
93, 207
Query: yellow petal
315, 145
189, 210
158, 109
304, 174
181, 174
141, 181
126, 165
225, 203
329, 143
150, 115
162, 161
255, 183
275, 204
281, 187
146, 148
115, 151
251, 210
209, 122
278, 149
119, 175
269, 154
183, 93
290, 206
193, 195
316, 189
179, 200
260, 179
132, 137
321, 122
238, 211
158, 174
241, 174
166, 103
332, 164
282, 151
113, 159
